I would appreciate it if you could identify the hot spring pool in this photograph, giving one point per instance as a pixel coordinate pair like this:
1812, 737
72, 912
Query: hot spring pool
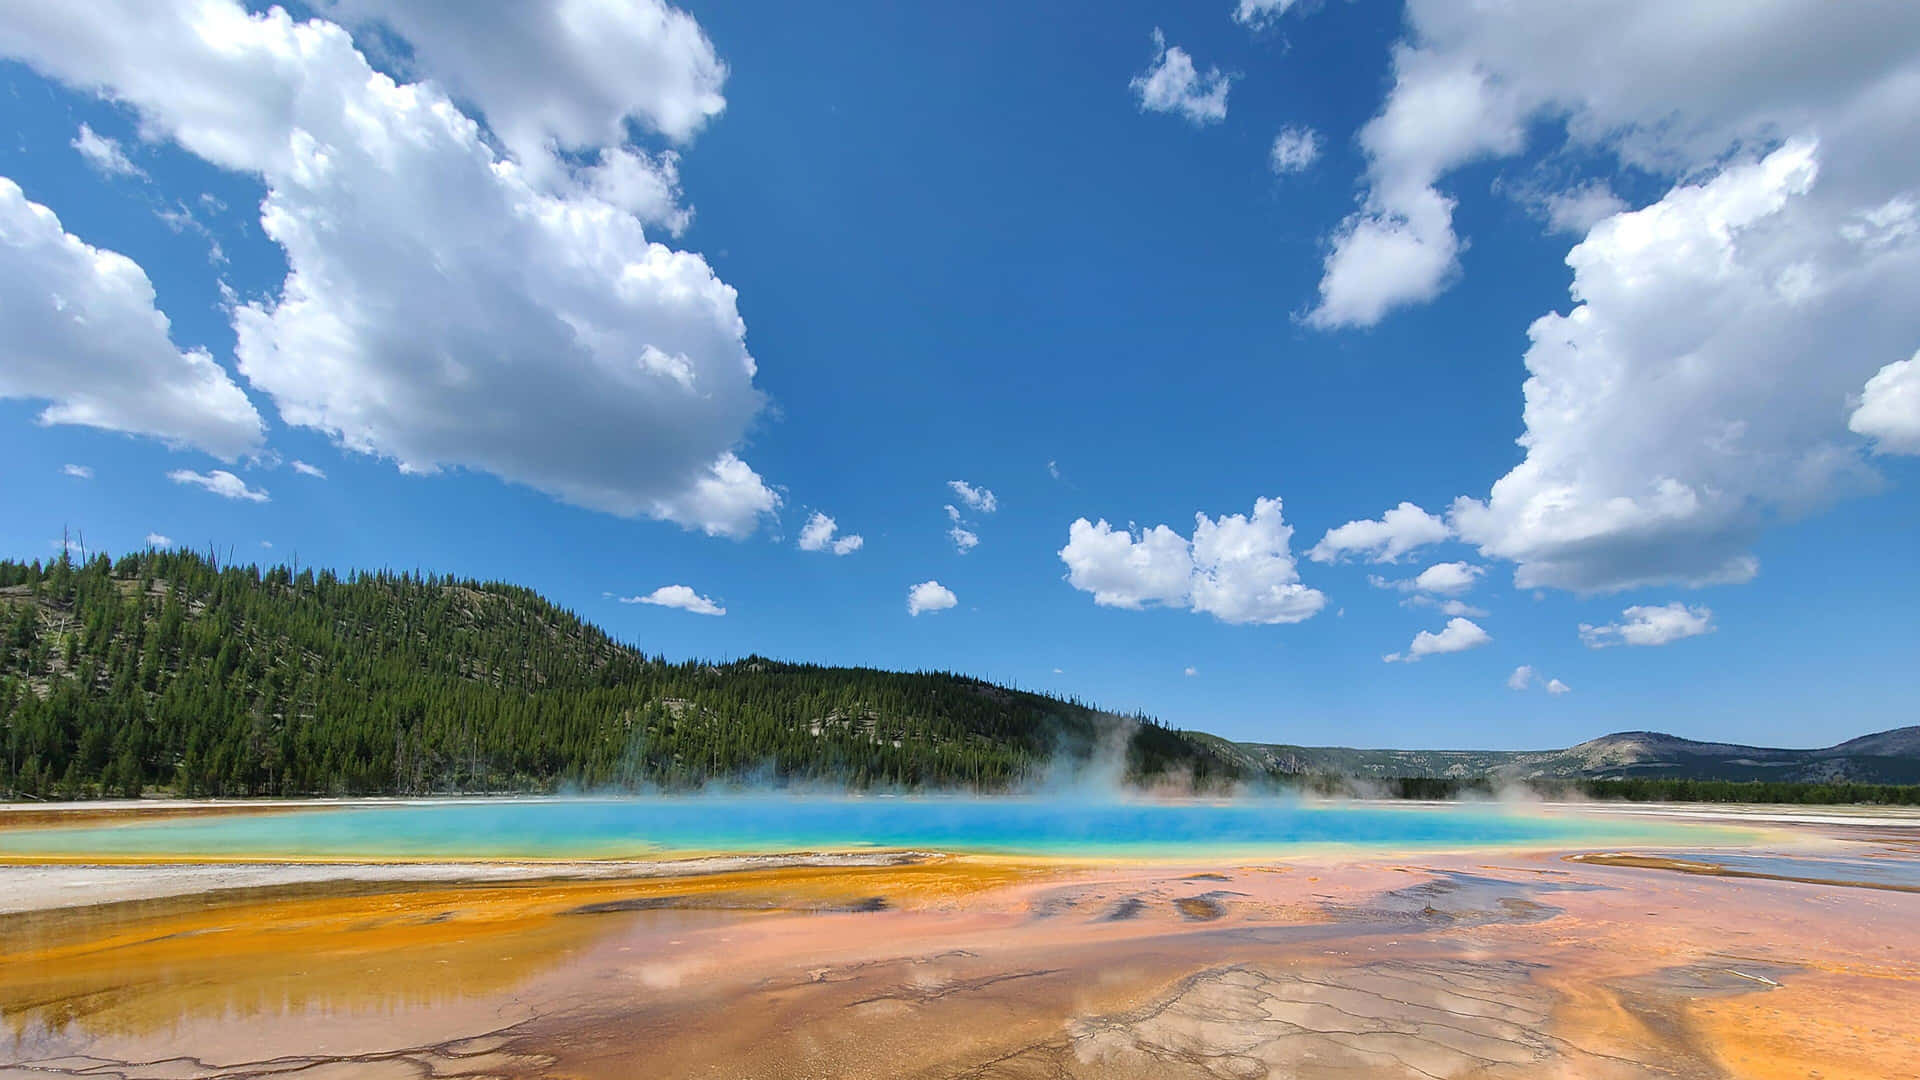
643, 827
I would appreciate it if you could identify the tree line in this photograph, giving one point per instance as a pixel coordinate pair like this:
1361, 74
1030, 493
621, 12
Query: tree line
1633, 789
163, 669
166, 670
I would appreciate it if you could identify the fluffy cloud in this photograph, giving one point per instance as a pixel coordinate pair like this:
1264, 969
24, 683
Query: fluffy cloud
570, 73
1294, 150
1445, 579
1399, 247
678, 596
446, 306
1661, 87
1459, 635
1399, 531
1238, 569
818, 535
1889, 411
1524, 677
221, 483
929, 597
104, 154
1261, 13
1191, 671
1700, 385
1171, 84
644, 185
978, 499
156, 540
1647, 625
82, 332
1125, 570
569, 76
78, 472
305, 469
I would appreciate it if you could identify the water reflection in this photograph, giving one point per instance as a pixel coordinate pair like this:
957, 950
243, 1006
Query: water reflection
349, 950
327, 953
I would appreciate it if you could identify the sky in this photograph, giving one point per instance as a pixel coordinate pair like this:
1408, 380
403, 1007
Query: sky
1312, 371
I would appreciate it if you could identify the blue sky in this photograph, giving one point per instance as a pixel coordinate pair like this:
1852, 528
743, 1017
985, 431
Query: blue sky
1037, 252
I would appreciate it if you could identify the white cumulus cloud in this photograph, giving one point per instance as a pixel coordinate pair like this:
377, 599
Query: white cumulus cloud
570, 74
1650, 625
549, 78
1459, 635
1238, 569
929, 597
1700, 385
1397, 532
1889, 410
1521, 678
1669, 88
156, 540
1399, 247
1171, 84
681, 597
445, 306
1443, 579
1698, 388
221, 483
818, 535
1127, 570
1556, 687
82, 333
78, 472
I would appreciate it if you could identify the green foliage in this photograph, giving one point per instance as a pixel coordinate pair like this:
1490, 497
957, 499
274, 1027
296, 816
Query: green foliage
1735, 791
1632, 789
164, 670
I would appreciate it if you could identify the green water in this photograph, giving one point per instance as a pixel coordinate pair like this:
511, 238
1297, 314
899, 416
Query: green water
644, 826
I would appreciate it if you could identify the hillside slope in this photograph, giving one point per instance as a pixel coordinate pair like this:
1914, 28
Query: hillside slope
161, 669
1888, 757
164, 670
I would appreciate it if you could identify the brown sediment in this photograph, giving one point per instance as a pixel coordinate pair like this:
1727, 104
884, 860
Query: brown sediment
18, 816
130, 967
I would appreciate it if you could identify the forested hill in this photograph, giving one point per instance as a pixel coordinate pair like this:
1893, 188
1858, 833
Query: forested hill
161, 669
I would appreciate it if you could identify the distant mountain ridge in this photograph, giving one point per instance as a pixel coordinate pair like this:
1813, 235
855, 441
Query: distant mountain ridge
1885, 757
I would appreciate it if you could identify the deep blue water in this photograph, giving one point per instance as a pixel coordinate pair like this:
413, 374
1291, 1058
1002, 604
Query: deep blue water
644, 826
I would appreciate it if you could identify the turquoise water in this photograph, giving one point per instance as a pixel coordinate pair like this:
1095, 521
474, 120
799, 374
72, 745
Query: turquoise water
640, 827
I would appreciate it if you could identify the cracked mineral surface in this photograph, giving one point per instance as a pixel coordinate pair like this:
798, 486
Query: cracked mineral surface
1801, 960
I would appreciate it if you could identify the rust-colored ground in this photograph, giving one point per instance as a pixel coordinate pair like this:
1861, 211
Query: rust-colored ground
1456, 967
